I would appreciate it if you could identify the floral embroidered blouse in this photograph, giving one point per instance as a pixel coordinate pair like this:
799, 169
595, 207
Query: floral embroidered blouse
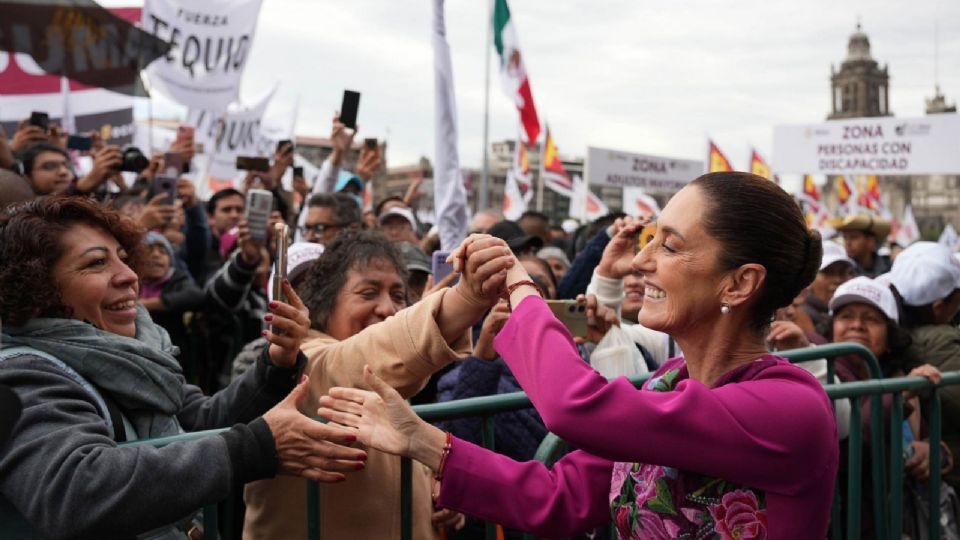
754, 456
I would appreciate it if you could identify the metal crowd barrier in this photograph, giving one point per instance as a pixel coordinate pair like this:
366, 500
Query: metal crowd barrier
887, 504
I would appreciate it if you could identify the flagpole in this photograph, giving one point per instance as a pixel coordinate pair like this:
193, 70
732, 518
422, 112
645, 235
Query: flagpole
540, 176
484, 202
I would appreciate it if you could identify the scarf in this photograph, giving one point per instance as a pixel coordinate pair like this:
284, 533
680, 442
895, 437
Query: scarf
140, 374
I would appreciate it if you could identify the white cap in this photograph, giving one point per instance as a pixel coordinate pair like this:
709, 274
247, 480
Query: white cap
834, 252
401, 211
925, 272
299, 254
863, 290
570, 226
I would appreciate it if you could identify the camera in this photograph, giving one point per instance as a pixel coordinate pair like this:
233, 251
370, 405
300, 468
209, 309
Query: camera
133, 160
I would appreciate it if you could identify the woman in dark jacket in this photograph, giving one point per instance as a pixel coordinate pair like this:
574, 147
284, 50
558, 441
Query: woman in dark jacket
91, 369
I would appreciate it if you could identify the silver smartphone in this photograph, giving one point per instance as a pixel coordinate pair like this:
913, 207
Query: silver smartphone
259, 206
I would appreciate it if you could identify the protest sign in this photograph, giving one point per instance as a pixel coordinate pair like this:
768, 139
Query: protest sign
25, 87
653, 174
209, 46
864, 146
236, 132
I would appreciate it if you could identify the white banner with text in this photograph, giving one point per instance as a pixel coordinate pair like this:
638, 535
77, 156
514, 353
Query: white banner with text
865, 146
652, 174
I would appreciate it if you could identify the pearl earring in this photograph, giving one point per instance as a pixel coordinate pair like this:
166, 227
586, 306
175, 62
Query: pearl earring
725, 308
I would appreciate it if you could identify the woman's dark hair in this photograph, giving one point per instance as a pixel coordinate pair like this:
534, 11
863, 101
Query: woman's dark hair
896, 358
546, 270
352, 249
757, 222
30, 247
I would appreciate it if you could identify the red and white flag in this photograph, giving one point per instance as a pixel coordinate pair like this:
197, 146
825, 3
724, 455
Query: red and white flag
555, 174
638, 204
908, 232
512, 71
584, 204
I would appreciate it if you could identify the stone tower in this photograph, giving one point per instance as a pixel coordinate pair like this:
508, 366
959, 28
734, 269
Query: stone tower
860, 88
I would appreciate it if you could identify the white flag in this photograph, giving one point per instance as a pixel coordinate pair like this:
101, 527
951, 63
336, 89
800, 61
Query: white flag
638, 204
210, 44
514, 204
449, 194
949, 237
908, 232
584, 204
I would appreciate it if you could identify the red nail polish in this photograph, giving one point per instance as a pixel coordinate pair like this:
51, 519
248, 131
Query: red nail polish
263, 333
268, 318
361, 466
273, 304
351, 438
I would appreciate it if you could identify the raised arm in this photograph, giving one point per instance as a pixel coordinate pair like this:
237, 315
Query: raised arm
757, 431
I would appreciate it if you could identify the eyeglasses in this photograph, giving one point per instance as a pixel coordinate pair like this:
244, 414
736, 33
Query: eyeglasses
51, 166
318, 229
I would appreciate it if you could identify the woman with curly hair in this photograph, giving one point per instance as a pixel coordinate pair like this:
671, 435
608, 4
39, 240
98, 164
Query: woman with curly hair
92, 370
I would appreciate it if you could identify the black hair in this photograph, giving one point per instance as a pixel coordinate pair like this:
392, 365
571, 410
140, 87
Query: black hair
345, 210
533, 214
351, 250
546, 269
29, 156
215, 198
755, 221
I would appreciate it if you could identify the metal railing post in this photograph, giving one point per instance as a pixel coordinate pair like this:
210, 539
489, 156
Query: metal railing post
934, 481
489, 442
896, 467
854, 486
406, 499
313, 510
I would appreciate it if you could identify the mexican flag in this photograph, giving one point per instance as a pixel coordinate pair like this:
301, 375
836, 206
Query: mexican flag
512, 72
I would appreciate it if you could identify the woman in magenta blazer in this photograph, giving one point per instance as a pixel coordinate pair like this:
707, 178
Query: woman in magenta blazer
726, 441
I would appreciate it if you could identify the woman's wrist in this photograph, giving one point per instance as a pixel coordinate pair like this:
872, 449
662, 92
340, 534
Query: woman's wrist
427, 446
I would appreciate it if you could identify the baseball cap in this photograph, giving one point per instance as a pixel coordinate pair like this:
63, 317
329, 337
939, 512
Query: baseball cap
414, 258
300, 255
925, 272
863, 290
518, 240
833, 252
405, 213
345, 178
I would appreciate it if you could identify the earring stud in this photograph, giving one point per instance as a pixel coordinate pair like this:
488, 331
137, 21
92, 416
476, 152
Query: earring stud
725, 308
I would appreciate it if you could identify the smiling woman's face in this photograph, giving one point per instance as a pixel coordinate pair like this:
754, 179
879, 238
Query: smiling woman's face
861, 323
680, 271
95, 282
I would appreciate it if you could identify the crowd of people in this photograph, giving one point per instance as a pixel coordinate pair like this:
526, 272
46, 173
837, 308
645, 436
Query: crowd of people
129, 315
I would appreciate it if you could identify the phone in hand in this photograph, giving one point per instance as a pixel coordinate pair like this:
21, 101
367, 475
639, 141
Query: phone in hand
40, 119
370, 144
81, 143
173, 164
298, 171
348, 109
250, 163
571, 314
282, 236
259, 206
285, 143
164, 184
441, 268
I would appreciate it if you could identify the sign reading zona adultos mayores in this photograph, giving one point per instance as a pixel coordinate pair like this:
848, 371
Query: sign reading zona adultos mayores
880, 145
653, 174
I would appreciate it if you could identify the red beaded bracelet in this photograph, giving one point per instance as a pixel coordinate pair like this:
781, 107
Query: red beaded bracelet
438, 476
517, 285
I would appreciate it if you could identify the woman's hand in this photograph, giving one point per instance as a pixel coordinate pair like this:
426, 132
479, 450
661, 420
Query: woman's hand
617, 258
600, 319
249, 248
918, 466
787, 335
309, 448
483, 262
926, 370
157, 212
292, 318
445, 518
491, 327
384, 420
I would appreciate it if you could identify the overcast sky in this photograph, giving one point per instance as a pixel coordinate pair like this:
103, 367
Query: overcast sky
646, 76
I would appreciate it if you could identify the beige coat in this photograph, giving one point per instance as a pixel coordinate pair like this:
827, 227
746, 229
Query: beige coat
404, 350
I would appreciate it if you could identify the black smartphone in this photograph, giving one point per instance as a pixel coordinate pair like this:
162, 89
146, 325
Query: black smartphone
371, 144
298, 171
40, 119
285, 142
173, 163
79, 142
249, 163
348, 109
